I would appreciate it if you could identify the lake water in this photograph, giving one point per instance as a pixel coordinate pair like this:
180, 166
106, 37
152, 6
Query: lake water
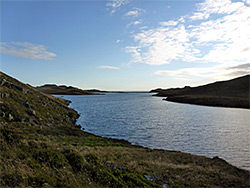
151, 122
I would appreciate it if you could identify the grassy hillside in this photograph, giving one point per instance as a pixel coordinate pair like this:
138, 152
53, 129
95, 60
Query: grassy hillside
42, 147
231, 93
62, 90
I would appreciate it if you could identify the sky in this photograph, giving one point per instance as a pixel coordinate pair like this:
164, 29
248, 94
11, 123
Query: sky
125, 45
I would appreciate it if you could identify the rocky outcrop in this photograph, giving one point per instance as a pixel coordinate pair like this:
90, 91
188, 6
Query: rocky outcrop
22, 103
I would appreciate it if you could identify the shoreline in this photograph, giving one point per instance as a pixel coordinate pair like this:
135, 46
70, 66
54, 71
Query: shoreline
128, 143
207, 105
204, 102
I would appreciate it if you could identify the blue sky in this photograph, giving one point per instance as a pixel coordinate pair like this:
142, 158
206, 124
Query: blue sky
125, 44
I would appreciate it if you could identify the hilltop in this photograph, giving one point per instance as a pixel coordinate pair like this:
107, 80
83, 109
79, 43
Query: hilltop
62, 90
41, 146
230, 93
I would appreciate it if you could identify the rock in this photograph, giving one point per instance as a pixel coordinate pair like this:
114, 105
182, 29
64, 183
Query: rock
25, 90
27, 105
78, 126
2, 114
31, 112
26, 120
113, 167
48, 124
4, 95
11, 117
2, 81
148, 177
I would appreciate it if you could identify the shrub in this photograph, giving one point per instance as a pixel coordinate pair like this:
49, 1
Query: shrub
75, 160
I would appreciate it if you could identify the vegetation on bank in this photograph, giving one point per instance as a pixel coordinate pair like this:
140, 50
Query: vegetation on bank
42, 147
232, 93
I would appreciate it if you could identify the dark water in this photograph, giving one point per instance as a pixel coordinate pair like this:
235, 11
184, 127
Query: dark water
151, 122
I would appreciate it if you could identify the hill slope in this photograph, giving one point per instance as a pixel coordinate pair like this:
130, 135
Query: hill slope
231, 93
62, 90
42, 147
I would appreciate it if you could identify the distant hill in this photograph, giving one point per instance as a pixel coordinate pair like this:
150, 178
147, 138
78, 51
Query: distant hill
96, 91
230, 93
62, 90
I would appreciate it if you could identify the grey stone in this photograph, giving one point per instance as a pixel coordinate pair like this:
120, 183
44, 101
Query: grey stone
11, 117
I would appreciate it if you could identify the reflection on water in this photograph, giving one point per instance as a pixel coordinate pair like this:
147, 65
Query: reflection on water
151, 122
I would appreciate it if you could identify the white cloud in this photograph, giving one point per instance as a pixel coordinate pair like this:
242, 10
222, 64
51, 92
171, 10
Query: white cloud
135, 12
135, 53
162, 45
26, 50
143, 27
118, 41
215, 72
219, 6
108, 67
222, 40
247, 1
116, 4
199, 16
137, 22
169, 23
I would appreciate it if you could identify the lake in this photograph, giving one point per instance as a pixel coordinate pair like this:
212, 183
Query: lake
157, 124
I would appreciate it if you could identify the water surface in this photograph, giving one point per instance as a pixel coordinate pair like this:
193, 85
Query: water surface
151, 122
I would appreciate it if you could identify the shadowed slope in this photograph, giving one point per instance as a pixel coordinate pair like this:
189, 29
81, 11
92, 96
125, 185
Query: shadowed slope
231, 93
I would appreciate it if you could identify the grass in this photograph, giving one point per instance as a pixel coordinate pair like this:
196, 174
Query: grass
50, 151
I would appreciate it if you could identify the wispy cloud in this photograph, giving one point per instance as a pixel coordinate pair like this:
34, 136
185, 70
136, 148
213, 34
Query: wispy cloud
135, 12
108, 67
169, 23
222, 39
119, 41
215, 72
137, 22
114, 5
26, 50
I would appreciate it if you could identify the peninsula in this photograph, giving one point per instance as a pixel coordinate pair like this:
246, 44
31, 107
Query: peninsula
41, 146
62, 90
230, 93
